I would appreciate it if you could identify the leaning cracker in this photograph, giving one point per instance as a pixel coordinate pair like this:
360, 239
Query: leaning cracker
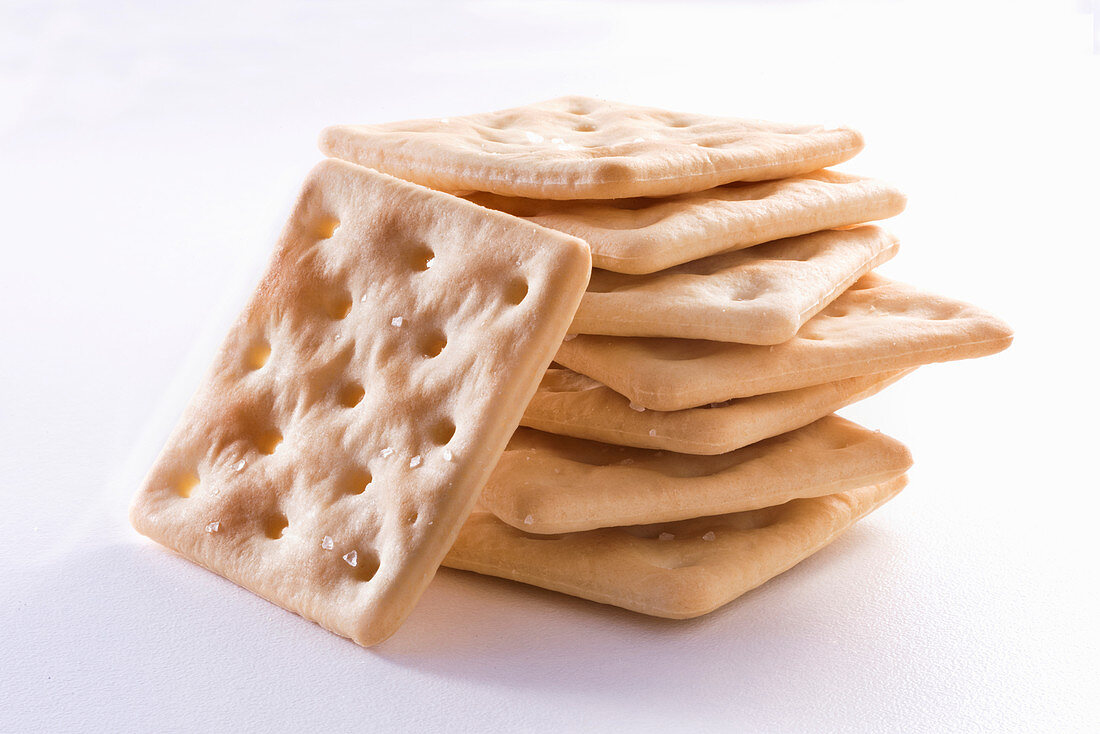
675, 570
362, 398
570, 404
644, 235
552, 484
585, 148
876, 326
761, 295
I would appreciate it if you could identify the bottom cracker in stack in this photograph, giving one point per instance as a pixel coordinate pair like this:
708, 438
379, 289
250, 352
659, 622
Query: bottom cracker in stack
673, 535
677, 570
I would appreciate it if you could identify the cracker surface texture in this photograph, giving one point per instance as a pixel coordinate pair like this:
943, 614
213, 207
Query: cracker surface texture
570, 404
762, 295
552, 484
675, 570
876, 326
644, 235
584, 148
360, 401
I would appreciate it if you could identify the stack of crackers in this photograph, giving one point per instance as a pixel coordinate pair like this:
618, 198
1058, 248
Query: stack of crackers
588, 346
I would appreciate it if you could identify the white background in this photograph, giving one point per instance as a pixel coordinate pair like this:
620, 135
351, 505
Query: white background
149, 155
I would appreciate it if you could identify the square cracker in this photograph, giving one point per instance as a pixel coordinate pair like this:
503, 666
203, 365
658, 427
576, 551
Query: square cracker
585, 148
362, 398
570, 404
552, 484
706, 563
761, 295
876, 326
644, 235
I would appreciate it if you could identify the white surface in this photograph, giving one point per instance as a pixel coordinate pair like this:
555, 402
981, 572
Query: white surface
149, 158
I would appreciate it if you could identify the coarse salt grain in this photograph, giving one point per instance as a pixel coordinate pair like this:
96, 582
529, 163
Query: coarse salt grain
351, 558
569, 337
386, 452
534, 137
326, 543
635, 406
397, 321
652, 432
213, 527
638, 140
529, 520
239, 465
448, 455
708, 535
665, 536
414, 461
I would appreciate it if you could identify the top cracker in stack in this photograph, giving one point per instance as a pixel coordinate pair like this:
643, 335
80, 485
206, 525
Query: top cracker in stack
582, 148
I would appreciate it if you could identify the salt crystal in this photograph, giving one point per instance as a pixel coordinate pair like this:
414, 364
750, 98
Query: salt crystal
239, 465
638, 140
386, 452
448, 455
213, 527
429, 262
652, 432
351, 558
569, 337
414, 461
326, 543
363, 299
709, 535
534, 137
665, 536
635, 406
529, 520
397, 321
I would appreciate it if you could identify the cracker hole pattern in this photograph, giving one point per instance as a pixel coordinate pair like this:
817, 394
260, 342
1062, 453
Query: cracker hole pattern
256, 356
185, 484
366, 565
325, 227
337, 305
516, 292
442, 432
275, 526
356, 482
432, 344
421, 257
268, 441
351, 394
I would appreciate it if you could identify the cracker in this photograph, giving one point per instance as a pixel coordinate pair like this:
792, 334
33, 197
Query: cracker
761, 295
876, 326
706, 563
360, 401
584, 148
644, 235
571, 404
552, 484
